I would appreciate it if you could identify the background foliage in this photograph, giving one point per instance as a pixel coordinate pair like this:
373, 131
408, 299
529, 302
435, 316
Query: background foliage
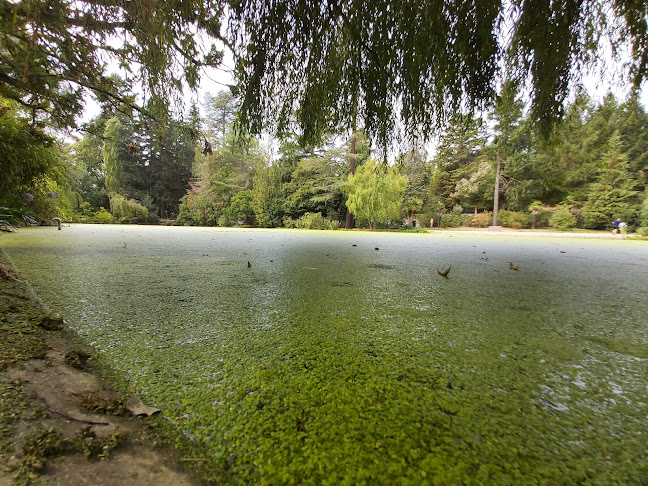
595, 169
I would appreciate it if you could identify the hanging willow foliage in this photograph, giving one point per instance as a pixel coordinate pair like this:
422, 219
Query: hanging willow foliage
313, 66
325, 65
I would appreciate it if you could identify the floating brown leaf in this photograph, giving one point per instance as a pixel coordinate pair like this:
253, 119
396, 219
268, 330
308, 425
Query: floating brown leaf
445, 272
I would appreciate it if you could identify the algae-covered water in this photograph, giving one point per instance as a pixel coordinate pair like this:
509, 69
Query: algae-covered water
344, 358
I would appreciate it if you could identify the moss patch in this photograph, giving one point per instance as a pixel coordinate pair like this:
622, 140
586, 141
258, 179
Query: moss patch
635, 349
21, 337
106, 406
77, 358
15, 405
45, 445
37, 450
50, 322
93, 447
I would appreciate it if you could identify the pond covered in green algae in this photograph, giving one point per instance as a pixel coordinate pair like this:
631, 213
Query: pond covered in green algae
343, 358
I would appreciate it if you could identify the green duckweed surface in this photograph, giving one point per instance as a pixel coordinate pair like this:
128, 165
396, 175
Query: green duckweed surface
332, 362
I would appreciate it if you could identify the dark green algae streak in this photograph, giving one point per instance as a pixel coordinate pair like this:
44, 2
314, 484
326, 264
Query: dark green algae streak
327, 363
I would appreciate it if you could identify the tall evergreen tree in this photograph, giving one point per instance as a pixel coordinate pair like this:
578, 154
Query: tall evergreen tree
316, 187
416, 171
220, 114
613, 194
87, 167
167, 168
267, 200
633, 132
457, 156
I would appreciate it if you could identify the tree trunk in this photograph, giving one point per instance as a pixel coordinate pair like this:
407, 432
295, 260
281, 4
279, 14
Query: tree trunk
410, 219
535, 217
496, 194
349, 215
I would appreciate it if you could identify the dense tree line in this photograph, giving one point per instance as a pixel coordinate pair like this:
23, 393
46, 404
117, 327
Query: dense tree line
595, 167
137, 171
197, 171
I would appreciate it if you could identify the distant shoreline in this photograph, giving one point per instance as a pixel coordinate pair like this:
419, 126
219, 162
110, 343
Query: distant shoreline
543, 233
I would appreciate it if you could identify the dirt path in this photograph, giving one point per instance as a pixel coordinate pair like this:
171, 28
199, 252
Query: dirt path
59, 423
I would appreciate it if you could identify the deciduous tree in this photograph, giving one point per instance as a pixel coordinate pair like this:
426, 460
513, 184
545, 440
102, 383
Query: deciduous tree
29, 158
375, 192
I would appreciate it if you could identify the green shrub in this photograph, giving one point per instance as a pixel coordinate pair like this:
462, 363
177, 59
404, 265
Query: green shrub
239, 210
504, 217
315, 221
481, 220
128, 210
226, 220
360, 222
450, 221
332, 224
290, 223
514, 219
424, 218
466, 219
103, 216
199, 209
407, 229
542, 219
563, 219
389, 224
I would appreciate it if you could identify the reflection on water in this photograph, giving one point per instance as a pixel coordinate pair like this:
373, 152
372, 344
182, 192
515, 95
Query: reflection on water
330, 361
